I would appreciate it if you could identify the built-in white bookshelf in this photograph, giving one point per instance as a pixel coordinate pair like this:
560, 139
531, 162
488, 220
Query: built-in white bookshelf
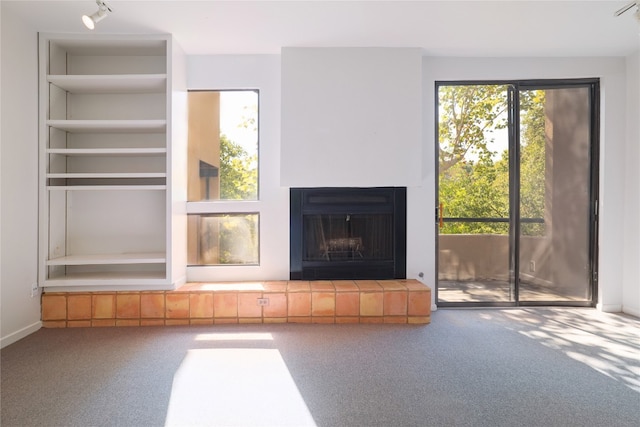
111, 205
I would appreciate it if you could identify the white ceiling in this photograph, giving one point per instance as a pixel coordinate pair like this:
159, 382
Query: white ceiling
442, 28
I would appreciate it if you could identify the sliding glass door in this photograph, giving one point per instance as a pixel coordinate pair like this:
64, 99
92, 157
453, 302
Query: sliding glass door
517, 193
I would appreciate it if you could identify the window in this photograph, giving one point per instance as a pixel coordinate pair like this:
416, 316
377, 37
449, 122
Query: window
223, 168
223, 145
223, 239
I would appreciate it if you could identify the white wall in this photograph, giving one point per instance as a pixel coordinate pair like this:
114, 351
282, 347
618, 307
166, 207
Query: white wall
351, 117
233, 72
20, 313
260, 72
631, 275
612, 74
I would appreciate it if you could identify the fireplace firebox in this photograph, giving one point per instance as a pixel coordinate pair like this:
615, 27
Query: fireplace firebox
348, 233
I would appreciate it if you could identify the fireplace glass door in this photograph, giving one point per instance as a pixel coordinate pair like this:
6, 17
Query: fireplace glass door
348, 237
347, 233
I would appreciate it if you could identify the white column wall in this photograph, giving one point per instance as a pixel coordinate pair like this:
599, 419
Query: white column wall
260, 72
20, 312
351, 117
631, 254
612, 74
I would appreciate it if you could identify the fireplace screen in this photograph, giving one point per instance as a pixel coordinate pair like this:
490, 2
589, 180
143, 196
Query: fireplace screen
346, 237
348, 233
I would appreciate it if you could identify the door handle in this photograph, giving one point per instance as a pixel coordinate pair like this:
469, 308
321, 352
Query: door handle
440, 216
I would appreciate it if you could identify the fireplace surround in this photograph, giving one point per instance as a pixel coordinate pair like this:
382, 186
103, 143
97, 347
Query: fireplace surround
348, 233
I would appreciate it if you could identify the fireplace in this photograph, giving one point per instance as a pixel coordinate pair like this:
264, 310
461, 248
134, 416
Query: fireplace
348, 233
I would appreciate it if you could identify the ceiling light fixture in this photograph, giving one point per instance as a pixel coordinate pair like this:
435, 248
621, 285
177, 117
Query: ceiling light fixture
91, 20
627, 7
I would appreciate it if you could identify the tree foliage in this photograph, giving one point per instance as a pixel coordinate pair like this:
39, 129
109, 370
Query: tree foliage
238, 172
467, 114
474, 177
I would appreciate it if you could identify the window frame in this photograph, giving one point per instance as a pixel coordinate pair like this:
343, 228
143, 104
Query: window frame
233, 206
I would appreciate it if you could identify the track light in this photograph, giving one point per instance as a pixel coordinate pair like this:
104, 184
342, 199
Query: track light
627, 7
91, 20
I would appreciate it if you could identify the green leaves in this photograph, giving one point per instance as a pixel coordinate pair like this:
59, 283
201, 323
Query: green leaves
474, 171
238, 172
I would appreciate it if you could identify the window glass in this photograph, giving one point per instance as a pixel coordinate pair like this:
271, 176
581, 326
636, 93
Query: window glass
223, 145
223, 239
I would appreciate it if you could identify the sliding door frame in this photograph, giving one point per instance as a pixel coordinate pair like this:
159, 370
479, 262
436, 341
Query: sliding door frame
513, 94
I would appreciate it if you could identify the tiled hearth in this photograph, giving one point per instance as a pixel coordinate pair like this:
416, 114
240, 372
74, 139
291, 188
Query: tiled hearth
342, 301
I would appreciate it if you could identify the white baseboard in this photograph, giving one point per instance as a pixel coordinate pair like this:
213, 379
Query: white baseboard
609, 308
18, 335
632, 311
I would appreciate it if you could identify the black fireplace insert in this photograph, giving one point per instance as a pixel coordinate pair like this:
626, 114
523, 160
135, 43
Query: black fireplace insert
348, 233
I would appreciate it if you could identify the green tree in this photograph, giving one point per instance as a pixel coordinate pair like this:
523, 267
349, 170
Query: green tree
238, 172
466, 115
474, 181
532, 160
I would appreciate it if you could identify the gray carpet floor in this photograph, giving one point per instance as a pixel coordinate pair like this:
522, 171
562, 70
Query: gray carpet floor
500, 367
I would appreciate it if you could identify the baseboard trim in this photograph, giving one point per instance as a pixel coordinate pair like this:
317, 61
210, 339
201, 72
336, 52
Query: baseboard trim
632, 311
18, 335
609, 308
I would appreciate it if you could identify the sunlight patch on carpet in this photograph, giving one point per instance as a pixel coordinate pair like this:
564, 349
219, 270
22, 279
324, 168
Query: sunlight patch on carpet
235, 387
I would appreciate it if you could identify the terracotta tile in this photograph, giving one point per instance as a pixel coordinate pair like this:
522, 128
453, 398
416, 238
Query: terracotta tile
277, 286
323, 320
415, 285
251, 320
248, 304
299, 319
227, 320
299, 304
419, 303
79, 307
152, 305
54, 324
151, 322
127, 322
323, 304
79, 324
191, 287
345, 285
128, 306
419, 319
368, 285
201, 321
201, 305
372, 319
103, 323
177, 305
321, 285
395, 303
347, 303
225, 304
371, 304
298, 286
54, 307
395, 319
348, 319
176, 322
392, 285
274, 320
103, 306
277, 306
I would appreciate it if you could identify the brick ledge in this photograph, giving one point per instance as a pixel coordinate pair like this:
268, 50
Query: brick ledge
208, 303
